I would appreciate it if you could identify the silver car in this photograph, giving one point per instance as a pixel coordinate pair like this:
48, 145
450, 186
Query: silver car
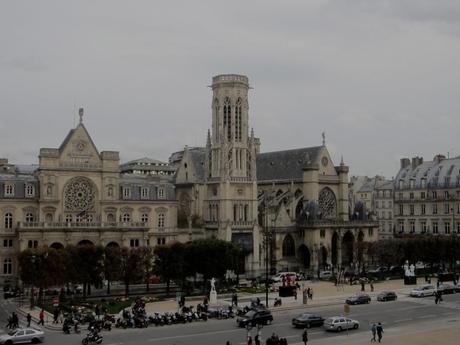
22, 335
340, 323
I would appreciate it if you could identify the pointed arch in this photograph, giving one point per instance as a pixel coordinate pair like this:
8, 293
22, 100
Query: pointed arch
228, 118
304, 256
288, 246
238, 119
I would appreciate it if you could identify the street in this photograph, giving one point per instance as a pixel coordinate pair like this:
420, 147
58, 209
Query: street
405, 313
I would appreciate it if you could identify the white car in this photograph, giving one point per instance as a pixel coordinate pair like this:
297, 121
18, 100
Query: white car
340, 323
325, 275
22, 335
279, 277
423, 290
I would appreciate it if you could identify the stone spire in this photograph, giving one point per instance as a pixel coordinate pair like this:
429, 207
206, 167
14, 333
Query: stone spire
324, 138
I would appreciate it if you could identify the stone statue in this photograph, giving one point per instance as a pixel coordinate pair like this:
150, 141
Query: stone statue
407, 269
412, 270
213, 285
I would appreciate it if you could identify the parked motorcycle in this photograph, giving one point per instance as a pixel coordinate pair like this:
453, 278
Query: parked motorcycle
92, 338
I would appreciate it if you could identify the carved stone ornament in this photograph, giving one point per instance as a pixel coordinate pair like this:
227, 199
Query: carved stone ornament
79, 195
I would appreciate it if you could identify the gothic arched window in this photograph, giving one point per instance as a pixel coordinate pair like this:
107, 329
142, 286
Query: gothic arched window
228, 118
288, 246
238, 123
327, 203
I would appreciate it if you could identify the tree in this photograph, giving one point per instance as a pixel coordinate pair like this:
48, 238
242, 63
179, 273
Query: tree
170, 262
130, 263
146, 256
112, 265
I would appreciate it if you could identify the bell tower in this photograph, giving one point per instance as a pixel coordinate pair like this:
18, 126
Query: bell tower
230, 168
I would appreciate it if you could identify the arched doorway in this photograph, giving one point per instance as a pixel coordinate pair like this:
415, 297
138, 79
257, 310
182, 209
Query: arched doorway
56, 245
334, 246
347, 248
85, 243
322, 257
304, 256
113, 244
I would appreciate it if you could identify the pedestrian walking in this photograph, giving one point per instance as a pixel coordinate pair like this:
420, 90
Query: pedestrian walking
29, 318
15, 320
374, 332
41, 317
249, 340
257, 339
380, 332
55, 315
305, 336
372, 287
311, 294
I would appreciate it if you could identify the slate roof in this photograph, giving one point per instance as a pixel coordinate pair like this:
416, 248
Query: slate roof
368, 186
444, 173
144, 160
285, 165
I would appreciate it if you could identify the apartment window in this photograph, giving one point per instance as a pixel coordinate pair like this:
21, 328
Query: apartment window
30, 190
9, 189
144, 218
435, 195
412, 183
412, 226
389, 204
7, 266
8, 220
446, 194
322, 233
126, 192
423, 223
161, 220
29, 217
435, 227
144, 193
161, 193
447, 227
401, 210
134, 242
435, 209
68, 218
411, 210
423, 183
370, 232
458, 227
126, 217
161, 240
422, 195
377, 204
401, 184
389, 215
400, 196
32, 244
7, 243
423, 208
411, 196
446, 208
401, 226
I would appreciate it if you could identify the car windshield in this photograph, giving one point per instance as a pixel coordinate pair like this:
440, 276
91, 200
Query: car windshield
250, 313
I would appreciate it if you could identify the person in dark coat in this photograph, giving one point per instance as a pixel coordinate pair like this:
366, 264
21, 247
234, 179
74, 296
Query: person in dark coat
305, 336
380, 332
29, 318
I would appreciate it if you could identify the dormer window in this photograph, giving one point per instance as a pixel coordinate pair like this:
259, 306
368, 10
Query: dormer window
423, 183
144, 193
9, 189
126, 192
161, 193
401, 184
30, 190
412, 183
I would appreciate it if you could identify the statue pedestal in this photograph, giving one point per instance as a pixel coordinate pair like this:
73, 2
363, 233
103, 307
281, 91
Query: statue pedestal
213, 297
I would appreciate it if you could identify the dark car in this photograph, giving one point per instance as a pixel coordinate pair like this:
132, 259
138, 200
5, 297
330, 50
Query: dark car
307, 320
387, 296
255, 317
446, 288
359, 298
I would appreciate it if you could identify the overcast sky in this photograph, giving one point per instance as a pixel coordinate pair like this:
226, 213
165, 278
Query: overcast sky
381, 78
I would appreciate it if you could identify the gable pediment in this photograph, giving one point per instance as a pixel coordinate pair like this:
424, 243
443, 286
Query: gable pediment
78, 148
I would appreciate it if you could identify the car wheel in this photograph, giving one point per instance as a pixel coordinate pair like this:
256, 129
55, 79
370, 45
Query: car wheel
355, 326
35, 341
8, 342
339, 329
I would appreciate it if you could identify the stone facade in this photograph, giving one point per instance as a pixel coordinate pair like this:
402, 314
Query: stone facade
77, 195
427, 196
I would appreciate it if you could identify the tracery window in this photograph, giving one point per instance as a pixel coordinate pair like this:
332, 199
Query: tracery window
238, 122
288, 246
228, 118
79, 195
327, 203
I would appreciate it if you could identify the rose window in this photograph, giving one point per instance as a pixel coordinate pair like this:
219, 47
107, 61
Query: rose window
327, 204
79, 195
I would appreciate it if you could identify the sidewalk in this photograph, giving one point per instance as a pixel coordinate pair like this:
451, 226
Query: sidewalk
324, 293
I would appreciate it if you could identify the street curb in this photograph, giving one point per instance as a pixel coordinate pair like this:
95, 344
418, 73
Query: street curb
47, 325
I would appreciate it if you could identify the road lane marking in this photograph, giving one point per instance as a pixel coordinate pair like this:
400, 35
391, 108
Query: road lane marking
402, 320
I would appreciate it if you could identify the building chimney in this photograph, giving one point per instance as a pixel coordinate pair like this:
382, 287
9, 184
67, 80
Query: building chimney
405, 162
416, 161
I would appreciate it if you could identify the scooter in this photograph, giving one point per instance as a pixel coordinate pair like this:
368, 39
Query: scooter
92, 338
